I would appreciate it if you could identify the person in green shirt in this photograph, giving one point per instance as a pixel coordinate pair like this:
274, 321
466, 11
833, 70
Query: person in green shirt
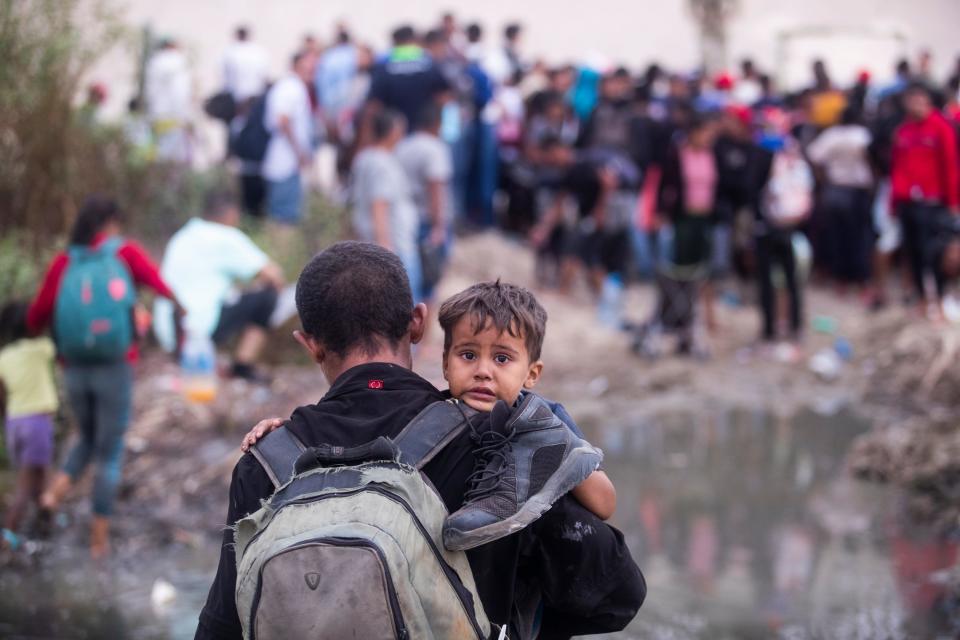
28, 395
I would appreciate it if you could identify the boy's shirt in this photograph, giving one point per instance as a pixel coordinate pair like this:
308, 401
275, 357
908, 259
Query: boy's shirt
26, 369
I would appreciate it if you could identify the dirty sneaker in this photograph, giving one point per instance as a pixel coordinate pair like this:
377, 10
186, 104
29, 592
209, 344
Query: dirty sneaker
526, 459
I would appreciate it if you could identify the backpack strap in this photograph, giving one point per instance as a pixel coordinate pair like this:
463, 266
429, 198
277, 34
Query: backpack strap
432, 430
277, 453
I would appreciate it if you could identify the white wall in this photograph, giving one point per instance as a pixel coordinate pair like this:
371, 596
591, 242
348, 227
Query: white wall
633, 32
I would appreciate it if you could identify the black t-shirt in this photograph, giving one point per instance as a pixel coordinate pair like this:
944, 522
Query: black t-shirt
590, 586
407, 85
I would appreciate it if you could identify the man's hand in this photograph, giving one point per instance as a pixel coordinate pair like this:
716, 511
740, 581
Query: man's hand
261, 429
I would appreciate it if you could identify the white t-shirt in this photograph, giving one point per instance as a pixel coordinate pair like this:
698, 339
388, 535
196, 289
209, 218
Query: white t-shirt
378, 175
842, 150
202, 262
425, 158
167, 86
244, 70
288, 97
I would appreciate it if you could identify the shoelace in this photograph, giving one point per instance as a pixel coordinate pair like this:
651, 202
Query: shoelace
490, 446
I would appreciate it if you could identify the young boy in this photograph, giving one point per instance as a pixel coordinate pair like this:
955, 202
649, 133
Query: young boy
28, 392
493, 334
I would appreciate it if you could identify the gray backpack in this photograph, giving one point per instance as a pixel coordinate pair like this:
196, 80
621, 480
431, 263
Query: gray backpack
349, 545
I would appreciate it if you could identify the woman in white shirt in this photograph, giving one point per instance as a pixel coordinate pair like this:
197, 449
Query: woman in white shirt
842, 152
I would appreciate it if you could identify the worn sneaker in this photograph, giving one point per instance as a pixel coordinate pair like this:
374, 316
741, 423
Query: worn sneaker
526, 459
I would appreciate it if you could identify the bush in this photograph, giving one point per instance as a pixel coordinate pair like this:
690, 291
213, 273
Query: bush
46, 47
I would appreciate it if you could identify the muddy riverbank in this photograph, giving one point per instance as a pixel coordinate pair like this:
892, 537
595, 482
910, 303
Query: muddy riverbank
733, 472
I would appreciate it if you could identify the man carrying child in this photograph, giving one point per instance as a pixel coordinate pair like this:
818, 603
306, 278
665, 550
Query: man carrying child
359, 324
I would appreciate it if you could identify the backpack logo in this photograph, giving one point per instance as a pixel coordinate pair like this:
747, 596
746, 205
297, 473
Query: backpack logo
117, 288
312, 579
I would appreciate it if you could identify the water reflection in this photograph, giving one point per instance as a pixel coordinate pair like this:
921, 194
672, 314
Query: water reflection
747, 526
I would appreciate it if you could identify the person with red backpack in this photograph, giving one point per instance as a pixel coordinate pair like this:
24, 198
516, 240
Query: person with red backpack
87, 298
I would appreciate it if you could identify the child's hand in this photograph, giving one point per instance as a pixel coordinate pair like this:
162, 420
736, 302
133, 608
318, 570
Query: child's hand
261, 429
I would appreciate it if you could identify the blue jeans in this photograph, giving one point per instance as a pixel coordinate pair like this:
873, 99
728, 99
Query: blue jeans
651, 249
100, 396
285, 199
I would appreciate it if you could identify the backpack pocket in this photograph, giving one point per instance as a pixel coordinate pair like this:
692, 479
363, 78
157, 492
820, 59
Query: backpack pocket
312, 590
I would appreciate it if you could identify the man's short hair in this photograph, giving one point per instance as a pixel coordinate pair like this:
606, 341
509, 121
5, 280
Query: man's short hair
434, 36
430, 116
403, 34
918, 86
355, 296
506, 306
217, 202
474, 32
384, 122
511, 31
242, 33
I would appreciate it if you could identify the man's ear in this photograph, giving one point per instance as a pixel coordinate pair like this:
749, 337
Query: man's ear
418, 323
533, 374
316, 351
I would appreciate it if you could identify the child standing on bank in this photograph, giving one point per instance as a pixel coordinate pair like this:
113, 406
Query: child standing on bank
29, 395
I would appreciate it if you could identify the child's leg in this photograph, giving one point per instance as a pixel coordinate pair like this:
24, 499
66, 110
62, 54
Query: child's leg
765, 282
597, 494
789, 264
21, 496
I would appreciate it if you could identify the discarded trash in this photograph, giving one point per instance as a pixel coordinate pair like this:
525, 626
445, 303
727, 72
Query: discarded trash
786, 353
731, 298
598, 386
843, 348
826, 364
824, 324
162, 594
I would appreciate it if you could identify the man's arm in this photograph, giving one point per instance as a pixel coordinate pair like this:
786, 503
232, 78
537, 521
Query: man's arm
380, 213
437, 193
219, 619
303, 155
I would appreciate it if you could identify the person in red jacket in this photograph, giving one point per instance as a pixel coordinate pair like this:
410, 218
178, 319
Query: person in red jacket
99, 392
925, 181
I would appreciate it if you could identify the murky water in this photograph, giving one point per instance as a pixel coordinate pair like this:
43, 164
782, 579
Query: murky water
746, 526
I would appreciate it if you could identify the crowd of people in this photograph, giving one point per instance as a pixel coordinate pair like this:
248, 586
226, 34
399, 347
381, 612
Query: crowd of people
612, 174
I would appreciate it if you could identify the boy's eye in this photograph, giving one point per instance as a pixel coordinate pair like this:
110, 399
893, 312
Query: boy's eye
468, 355
501, 358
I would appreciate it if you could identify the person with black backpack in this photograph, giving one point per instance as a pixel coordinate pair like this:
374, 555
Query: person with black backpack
357, 499
87, 297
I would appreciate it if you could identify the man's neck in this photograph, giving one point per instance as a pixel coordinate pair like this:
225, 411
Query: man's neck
335, 368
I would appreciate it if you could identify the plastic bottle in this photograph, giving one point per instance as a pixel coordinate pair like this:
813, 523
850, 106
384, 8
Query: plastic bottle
198, 365
610, 311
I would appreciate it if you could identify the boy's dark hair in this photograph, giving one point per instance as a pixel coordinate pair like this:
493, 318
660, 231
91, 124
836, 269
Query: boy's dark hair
474, 32
511, 31
354, 295
506, 306
13, 322
242, 33
96, 212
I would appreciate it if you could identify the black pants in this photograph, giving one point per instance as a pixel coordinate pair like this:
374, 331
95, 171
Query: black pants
253, 189
849, 233
252, 308
774, 248
920, 228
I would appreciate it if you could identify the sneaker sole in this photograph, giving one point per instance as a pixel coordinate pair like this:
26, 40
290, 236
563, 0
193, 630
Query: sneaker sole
581, 462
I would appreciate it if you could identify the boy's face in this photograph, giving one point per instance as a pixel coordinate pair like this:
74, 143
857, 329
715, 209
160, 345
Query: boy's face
486, 366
